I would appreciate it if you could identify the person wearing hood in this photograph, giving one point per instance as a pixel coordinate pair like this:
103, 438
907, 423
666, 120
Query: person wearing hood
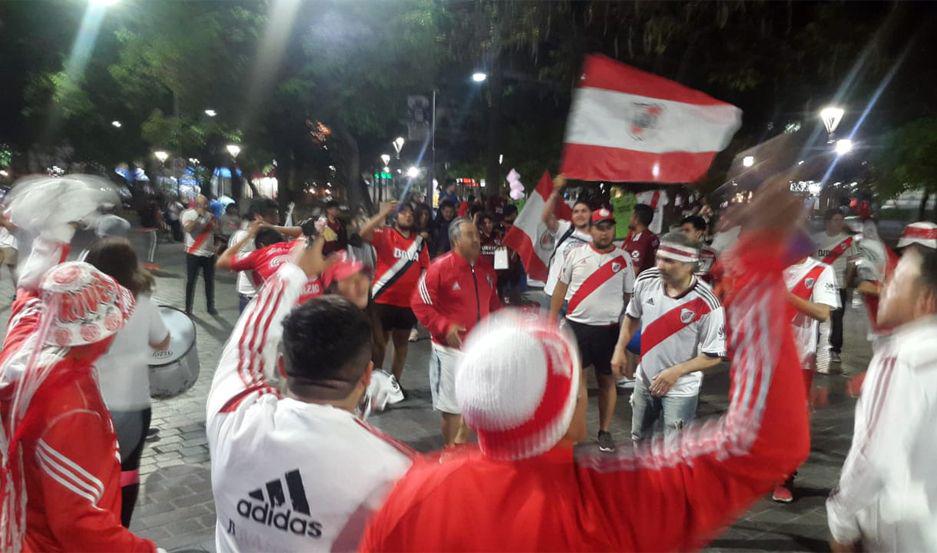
60, 493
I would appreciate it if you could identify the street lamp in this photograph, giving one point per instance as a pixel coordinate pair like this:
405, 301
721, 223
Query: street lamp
831, 116
479, 76
161, 155
398, 145
748, 161
385, 158
211, 112
233, 149
117, 124
413, 172
843, 146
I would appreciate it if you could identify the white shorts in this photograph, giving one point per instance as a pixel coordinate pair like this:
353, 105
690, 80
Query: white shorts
442, 370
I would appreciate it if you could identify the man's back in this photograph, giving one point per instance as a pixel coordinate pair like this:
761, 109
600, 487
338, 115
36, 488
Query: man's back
288, 475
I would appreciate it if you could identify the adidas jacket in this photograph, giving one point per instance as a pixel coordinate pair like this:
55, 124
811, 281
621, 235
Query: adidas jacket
288, 475
887, 493
453, 292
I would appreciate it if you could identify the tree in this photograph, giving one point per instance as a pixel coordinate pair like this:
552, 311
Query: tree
907, 161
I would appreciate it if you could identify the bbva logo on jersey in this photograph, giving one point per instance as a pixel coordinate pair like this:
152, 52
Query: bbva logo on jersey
401, 254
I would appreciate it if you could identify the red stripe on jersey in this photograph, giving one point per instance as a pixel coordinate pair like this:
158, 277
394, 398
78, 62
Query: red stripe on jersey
595, 280
836, 252
199, 240
672, 322
255, 374
399, 446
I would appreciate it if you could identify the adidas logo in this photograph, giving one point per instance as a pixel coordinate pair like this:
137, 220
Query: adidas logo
266, 506
650, 301
456, 287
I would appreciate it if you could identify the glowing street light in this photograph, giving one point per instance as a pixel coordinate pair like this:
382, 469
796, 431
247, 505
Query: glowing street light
479, 76
117, 124
398, 145
104, 3
211, 112
385, 158
233, 149
831, 116
843, 146
386, 169
413, 172
748, 161
161, 155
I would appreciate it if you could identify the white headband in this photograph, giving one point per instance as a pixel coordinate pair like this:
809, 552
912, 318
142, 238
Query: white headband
677, 252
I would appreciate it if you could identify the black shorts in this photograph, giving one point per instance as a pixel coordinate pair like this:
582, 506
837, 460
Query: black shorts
596, 345
393, 317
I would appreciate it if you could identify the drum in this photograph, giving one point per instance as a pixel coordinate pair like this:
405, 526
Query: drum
175, 370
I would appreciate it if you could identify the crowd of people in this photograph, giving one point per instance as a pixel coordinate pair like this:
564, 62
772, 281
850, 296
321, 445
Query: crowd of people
296, 465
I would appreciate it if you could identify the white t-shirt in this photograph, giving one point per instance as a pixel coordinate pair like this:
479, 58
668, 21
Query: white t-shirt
698, 318
576, 238
7, 240
245, 284
123, 372
823, 291
206, 245
657, 199
604, 305
825, 244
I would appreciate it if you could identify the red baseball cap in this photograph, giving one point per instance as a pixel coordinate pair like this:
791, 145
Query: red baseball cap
602, 214
341, 266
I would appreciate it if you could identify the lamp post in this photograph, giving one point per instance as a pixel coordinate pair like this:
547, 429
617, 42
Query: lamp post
162, 156
831, 116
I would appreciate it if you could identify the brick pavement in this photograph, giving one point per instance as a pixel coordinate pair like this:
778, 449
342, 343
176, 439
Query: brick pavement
175, 507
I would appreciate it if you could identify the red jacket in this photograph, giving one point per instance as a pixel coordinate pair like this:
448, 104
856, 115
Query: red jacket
674, 494
68, 448
454, 292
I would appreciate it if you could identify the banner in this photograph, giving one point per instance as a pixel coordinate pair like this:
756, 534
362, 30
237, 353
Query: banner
626, 125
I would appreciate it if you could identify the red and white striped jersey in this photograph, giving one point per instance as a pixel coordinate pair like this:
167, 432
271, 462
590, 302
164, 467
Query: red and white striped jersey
815, 282
597, 283
200, 242
674, 330
836, 251
276, 460
886, 495
400, 262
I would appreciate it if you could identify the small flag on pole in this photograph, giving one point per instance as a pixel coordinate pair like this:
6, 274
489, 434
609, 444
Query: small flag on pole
626, 125
529, 237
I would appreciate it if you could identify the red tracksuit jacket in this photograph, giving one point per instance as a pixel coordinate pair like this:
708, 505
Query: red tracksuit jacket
669, 496
71, 466
453, 292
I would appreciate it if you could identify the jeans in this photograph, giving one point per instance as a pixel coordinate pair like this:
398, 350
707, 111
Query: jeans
836, 323
243, 300
647, 411
192, 265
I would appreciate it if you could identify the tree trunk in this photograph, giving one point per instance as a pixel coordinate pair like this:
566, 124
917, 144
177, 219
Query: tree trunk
492, 167
348, 161
922, 208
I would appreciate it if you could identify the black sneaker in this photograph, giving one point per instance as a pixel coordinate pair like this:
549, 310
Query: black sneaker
606, 443
212, 311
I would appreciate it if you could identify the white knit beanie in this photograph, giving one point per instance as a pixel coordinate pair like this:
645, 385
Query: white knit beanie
517, 384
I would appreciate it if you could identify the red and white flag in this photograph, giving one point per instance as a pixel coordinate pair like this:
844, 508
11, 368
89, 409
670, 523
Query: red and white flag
626, 125
529, 237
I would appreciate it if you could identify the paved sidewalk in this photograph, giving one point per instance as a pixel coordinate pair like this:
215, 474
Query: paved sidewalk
175, 506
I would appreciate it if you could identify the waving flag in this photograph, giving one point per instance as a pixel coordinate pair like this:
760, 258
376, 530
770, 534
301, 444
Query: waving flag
529, 237
627, 125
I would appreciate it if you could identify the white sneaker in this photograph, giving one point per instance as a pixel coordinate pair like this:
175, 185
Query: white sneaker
414, 335
625, 383
384, 390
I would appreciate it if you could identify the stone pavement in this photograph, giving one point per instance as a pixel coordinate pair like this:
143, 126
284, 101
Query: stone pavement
175, 506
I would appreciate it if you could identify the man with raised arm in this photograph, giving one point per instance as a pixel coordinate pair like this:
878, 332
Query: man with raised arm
526, 490
299, 471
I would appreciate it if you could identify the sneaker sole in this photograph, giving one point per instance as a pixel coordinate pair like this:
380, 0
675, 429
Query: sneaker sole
782, 500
